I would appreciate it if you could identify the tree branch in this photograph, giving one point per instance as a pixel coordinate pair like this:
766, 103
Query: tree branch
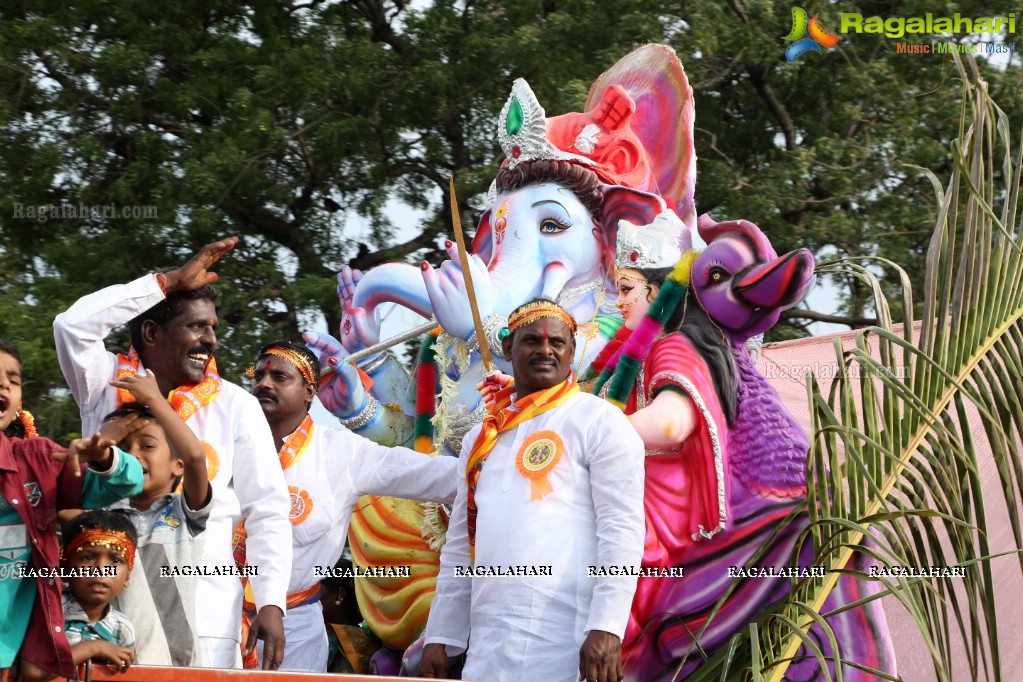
373, 12
165, 123
758, 76
851, 322
740, 9
423, 240
417, 168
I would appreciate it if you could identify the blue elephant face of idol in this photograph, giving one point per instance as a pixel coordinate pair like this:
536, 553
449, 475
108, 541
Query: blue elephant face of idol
543, 239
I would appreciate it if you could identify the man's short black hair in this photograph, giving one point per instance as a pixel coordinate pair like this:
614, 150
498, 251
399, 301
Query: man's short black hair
169, 308
98, 518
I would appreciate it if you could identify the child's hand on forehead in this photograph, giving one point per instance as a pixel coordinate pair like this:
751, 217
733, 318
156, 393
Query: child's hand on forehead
118, 429
98, 447
144, 388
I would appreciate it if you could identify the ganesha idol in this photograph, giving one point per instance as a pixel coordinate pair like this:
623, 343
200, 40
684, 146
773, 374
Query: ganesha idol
549, 230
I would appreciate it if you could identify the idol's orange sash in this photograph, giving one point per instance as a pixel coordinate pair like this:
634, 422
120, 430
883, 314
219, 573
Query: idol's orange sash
504, 416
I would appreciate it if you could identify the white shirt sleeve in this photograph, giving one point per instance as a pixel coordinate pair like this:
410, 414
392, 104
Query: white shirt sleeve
448, 623
400, 472
616, 483
262, 493
79, 333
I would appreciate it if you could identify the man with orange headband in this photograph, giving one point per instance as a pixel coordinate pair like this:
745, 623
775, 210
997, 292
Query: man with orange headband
327, 470
550, 497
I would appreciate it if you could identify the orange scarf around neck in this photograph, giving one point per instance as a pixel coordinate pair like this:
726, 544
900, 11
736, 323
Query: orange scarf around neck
186, 400
295, 444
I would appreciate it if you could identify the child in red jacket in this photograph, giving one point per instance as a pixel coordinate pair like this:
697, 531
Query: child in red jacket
38, 477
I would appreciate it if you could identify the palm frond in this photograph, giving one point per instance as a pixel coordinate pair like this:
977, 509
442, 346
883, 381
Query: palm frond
893, 471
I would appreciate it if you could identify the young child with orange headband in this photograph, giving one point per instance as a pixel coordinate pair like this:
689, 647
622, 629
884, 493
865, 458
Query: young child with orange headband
99, 551
96, 559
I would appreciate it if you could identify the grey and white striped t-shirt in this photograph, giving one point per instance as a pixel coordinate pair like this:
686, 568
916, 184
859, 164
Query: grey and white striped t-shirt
162, 607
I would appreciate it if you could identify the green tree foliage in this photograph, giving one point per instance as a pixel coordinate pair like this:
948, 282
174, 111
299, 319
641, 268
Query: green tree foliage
297, 124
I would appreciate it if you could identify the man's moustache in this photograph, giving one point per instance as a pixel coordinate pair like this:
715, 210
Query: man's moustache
265, 394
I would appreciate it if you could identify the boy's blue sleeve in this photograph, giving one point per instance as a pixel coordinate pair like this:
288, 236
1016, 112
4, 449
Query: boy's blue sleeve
124, 479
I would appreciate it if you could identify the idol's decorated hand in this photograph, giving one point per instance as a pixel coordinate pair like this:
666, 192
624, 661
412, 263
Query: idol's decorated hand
600, 657
341, 390
446, 289
195, 273
492, 383
360, 328
347, 280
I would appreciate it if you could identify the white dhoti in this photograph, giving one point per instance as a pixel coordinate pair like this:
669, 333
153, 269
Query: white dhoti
306, 636
220, 652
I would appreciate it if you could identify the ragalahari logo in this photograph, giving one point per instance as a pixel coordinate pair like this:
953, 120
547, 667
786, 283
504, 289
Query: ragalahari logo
819, 37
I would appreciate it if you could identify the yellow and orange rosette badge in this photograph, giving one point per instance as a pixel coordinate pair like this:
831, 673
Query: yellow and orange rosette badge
301, 505
537, 457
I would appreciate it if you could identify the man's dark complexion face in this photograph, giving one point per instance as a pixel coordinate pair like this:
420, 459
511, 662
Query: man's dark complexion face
541, 354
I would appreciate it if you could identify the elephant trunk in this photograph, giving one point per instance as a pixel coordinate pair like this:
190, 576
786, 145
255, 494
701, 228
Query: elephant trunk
514, 281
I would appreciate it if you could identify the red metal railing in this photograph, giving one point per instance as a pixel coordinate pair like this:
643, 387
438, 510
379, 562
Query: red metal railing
159, 673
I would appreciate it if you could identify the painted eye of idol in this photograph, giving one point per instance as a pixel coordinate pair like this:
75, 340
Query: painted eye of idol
552, 226
556, 218
717, 273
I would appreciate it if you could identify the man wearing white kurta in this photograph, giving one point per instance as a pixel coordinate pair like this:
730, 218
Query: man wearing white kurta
172, 319
327, 471
560, 492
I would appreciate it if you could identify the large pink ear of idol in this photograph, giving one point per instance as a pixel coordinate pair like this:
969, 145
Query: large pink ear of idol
483, 240
663, 120
622, 203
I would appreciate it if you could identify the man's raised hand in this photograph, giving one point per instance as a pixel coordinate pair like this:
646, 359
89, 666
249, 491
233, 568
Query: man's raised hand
195, 273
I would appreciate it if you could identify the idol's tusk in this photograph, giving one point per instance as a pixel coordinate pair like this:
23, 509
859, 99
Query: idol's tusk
393, 341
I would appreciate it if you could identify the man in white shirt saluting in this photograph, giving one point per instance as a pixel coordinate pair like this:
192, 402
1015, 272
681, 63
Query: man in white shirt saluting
172, 318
